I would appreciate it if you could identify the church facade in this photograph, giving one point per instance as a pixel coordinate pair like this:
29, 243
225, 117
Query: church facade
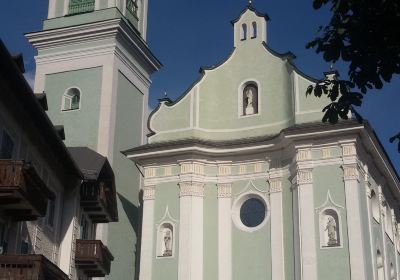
243, 181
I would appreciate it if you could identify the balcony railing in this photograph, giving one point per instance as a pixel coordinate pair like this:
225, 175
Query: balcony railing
93, 258
23, 195
80, 6
99, 202
29, 267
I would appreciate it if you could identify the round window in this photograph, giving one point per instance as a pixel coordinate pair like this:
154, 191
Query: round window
252, 212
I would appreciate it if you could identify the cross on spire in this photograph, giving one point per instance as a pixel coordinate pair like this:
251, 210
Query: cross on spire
250, 2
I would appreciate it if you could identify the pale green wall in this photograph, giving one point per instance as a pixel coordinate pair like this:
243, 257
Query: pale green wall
81, 126
331, 259
167, 194
251, 251
122, 235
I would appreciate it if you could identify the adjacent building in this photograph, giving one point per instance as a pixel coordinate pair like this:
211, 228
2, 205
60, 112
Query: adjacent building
243, 181
52, 199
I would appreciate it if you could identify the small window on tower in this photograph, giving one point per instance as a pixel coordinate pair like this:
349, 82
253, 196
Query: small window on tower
71, 99
254, 25
243, 35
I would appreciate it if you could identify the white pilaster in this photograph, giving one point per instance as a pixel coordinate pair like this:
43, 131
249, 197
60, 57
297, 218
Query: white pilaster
224, 232
52, 9
383, 229
396, 245
306, 225
147, 244
65, 11
278, 263
97, 4
190, 264
371, 239
353, 212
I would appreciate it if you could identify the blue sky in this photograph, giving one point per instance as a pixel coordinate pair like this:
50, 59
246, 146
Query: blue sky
185, 35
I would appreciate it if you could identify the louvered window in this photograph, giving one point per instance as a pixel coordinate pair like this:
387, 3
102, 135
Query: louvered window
80, 6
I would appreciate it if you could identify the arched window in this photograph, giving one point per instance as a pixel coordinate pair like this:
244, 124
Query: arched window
244, 32
71, 99
329, 228
250, 100
165, 239
254, 25
375, 206
379, 265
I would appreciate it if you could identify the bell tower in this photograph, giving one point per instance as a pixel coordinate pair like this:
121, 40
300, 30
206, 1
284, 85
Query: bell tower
94, 65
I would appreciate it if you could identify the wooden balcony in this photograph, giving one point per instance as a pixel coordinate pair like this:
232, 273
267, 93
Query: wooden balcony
99, 202
23, 195
29, 267
93, 258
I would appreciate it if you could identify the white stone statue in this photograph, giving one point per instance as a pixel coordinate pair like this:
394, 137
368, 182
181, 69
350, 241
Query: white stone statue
167, 242
250, 103
332, 233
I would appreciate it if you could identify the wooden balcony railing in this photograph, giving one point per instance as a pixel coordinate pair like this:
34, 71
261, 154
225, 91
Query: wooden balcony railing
93, 258
99, 202
29, 267
23, 195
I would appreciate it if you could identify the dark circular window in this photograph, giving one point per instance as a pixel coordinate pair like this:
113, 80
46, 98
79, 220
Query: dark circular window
252, 212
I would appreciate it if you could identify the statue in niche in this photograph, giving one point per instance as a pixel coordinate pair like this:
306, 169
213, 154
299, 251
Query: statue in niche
332, 232
167, 243
249, 101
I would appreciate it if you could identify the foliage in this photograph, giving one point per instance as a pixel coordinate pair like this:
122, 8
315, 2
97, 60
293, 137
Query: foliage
364, 33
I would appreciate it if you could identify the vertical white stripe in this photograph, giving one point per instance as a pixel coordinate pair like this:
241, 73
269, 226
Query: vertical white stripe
357, 263
278, 269
146, 257
65, 12
52, 9
369, 211
224, 239
97, 4
307, 232
190, 264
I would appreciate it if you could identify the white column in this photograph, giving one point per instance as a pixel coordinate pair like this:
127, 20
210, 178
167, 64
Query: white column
278, 257
52, 9
371, 239
306, 225
353, 212
190, 264
147, 243
383, 230
65, 12
224, 232
395, 236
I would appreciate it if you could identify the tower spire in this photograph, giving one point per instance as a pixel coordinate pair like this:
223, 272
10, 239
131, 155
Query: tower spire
250, 2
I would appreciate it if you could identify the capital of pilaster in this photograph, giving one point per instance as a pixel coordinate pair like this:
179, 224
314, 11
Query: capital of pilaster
350, 172
224, 190
191, 189
149, 193
275, 185
368, 190
304, 176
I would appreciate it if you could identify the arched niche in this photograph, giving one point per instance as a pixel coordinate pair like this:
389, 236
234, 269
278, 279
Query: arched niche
330, 228
254, 30
375, 206
165, 240
379, 265
249, 99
